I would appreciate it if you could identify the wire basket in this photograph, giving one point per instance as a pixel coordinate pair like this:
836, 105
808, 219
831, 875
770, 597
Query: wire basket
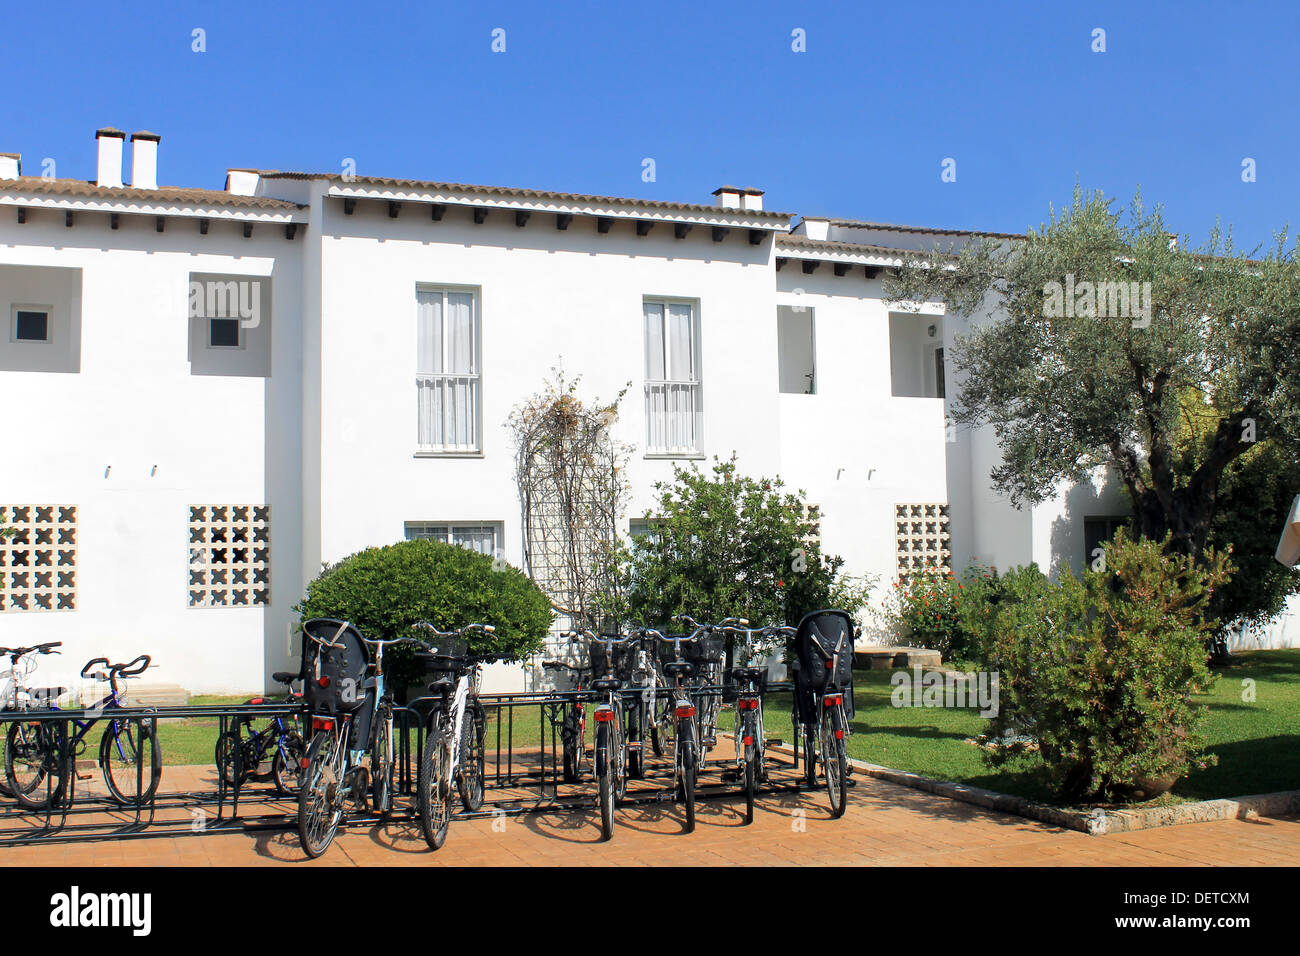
448, 655
624, 660
708, 649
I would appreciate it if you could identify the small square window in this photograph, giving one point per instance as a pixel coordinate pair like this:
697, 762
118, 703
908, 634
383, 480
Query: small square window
223, 333
31, 325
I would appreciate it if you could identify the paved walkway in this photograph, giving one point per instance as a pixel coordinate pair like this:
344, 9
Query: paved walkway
885, 825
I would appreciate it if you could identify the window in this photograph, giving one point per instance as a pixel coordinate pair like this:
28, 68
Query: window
672, 378
230, 555
447, 371
38, 561
223, 333
31, 323
643, 529
485, 538
795, 351
1096, 532
940, 383
916, 356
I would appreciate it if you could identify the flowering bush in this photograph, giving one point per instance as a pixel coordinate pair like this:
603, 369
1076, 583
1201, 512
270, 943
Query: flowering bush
1101, 671
926, 610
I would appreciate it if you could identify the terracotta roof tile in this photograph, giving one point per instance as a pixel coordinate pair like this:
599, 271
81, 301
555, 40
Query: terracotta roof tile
927, 230
537, 194
76, 188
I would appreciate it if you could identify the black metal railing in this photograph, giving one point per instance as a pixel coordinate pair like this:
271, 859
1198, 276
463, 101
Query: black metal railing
523, 769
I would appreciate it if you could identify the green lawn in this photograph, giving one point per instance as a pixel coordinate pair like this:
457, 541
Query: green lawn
1258, 743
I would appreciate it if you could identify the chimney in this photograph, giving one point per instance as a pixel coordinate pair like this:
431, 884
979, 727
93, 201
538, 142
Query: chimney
11, 165
110, 157
752, 199
728, 197
144, 159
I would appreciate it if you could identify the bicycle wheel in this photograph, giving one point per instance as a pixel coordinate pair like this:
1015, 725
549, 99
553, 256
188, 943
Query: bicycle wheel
131, 760
319, 810
472, 758
836, 762
33, 767
433, 787
751, 769
229, 746
618, 754
381, 767
809, 757
687, 768
286, 765
570, 738
605, 777
635, 759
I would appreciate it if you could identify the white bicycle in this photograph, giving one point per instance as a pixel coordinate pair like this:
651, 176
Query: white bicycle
16, 665
453, 751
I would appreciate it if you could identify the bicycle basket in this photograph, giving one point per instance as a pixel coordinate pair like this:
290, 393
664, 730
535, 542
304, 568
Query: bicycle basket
448, 656
709, 649
624, 659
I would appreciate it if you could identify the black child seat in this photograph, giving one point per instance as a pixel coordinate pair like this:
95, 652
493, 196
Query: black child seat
827, 628
334, 678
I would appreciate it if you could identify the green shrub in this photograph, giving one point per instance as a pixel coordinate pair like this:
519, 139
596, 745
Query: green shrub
923, 611
383, 591
1100, 672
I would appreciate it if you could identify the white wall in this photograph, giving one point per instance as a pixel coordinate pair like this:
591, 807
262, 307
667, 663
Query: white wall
133, 439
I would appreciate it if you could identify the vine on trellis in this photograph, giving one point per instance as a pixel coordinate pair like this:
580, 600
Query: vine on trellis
573, 489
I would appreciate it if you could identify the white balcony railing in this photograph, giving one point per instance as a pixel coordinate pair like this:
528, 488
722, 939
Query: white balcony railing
672, 414
449, 412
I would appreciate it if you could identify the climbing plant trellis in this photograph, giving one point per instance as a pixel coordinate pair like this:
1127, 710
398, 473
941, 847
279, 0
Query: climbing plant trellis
572, 479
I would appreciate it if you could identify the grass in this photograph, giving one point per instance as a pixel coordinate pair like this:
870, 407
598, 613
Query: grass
1257, 742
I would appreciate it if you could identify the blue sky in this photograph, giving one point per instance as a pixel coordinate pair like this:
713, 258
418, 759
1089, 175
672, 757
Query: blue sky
857, 126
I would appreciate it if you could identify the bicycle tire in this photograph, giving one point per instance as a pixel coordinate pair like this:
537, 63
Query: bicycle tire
229, 744
286, 765
687, 743
605, 779
381, 776
316, 798
809, 757
473, 760
119, 748
433, 788
836, 762
751, 772
635, 760
36, 741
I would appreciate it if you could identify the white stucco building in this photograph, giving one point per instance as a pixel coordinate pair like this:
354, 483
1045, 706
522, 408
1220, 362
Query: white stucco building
179, 468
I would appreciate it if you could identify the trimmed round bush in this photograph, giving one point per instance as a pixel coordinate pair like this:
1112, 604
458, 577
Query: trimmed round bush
384, 590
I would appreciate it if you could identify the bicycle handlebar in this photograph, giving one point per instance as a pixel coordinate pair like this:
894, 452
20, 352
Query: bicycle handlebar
130, 669
17, 652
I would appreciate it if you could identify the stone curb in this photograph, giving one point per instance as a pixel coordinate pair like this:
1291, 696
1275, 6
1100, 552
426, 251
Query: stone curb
1096, 822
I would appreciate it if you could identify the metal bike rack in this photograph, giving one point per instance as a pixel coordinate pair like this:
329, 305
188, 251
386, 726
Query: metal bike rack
522, 776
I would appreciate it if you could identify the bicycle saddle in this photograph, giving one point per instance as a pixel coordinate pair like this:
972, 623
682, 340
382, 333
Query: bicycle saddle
679, 669
606, 684
284, 677
748, 673
442, 685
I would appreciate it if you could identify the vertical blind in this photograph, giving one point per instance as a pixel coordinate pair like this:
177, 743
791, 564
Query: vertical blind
447, 377
672, 389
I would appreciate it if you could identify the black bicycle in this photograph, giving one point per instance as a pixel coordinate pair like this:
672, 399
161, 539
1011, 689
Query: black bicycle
571, 717
609, 656
242, 751
825, 642
747, 684
679, 657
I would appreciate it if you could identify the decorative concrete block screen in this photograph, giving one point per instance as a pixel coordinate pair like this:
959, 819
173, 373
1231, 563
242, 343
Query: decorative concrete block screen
230, 555
923, 540
38, 561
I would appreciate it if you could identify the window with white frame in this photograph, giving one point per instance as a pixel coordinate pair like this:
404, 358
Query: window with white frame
447, 378
672, 377
483, 537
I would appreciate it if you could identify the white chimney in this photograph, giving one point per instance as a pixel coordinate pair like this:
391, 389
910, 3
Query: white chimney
728, 197
144, 159
11, 165
110, 157
752, 199
815, 227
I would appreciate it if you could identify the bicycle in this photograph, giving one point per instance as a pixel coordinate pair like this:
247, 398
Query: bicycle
645, 714
15, 695
832, 726
350, 756
750, 684
573, 722
686, 739
279, 740
608, 654
39, 751
450, 735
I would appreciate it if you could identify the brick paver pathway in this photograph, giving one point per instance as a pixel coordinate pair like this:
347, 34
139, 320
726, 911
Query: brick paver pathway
885, 825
